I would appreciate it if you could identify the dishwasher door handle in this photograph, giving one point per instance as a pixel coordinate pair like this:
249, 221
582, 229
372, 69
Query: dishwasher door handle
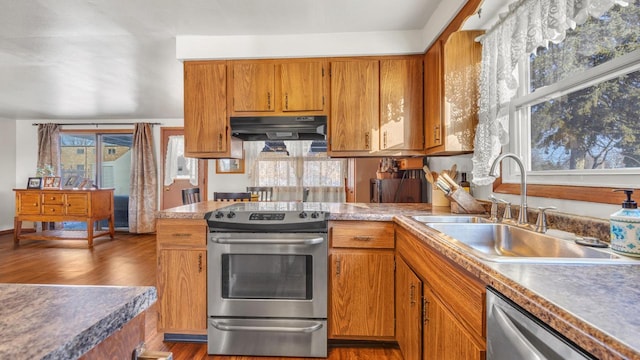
220, 325
266, 241
518, 339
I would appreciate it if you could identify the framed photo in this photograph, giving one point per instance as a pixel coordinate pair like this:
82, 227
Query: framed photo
71, 182
34, 183
51, 182
230, 166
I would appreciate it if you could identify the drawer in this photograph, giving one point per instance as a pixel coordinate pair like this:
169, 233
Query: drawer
362, 234
53, 199
181, 232
52, 210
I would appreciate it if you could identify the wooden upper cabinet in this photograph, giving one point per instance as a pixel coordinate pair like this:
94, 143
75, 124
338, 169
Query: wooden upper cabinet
302, 86
277, 87
206, 126
354, 124
401, 120
452, 71
253, 86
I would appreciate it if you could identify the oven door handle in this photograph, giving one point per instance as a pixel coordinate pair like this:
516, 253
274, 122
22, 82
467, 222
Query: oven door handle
309, 241
288, 329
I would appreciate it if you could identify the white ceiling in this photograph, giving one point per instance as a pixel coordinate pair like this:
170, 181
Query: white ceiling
116, 59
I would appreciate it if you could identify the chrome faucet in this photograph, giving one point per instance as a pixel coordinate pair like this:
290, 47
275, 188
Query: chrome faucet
523, 219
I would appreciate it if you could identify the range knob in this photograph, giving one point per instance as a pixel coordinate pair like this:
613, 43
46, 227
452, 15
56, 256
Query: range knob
219, 215
315, 215
231, 215
303, 215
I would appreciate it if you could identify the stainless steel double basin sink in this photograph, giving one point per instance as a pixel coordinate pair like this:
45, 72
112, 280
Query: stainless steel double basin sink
508, 243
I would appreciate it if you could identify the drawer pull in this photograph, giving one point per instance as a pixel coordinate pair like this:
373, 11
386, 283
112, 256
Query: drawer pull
181, 235
363, 238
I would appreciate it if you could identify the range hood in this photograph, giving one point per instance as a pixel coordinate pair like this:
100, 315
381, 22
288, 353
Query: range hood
279, 128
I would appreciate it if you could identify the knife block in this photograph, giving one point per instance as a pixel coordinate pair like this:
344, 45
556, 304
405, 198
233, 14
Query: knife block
463, 203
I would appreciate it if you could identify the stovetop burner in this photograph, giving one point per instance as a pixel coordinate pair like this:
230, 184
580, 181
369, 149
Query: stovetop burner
269, 217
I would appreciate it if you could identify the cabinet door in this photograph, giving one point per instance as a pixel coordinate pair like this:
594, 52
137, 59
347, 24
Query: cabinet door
433, 95
205, 109
354, 106
77, 204
444, 337
401, 120
182, 284
408, 311
253, 86
28, 203
362, 299
302, 86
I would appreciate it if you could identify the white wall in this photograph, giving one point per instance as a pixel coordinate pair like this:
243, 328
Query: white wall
7, 174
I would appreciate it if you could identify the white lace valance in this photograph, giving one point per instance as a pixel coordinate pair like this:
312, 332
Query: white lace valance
527, 25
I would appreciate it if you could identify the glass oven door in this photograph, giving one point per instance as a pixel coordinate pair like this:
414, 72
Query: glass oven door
267, 275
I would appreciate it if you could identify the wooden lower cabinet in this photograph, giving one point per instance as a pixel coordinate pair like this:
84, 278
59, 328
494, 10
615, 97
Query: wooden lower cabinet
182, 276
452, 320
408, 311
444, 337
361, 280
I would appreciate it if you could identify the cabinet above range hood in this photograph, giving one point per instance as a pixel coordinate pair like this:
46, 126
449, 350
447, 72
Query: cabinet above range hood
279, 128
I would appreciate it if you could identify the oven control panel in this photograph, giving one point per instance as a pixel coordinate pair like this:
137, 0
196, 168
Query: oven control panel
266, 216
267, 221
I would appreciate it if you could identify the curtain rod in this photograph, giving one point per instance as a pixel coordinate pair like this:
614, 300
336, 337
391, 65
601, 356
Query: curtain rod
96, 124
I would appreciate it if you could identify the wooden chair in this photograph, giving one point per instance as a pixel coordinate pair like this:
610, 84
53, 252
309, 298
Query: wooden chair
190, 196
264, 193
232, 196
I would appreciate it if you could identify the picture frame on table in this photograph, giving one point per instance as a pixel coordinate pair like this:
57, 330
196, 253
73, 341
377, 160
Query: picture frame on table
70, 182
51, 182
34, 183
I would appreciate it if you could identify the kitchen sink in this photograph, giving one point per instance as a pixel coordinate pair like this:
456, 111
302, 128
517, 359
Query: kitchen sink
513, 244
449, 219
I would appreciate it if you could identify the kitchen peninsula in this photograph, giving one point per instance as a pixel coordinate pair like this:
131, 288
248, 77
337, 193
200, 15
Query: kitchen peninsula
588, 304
71, 322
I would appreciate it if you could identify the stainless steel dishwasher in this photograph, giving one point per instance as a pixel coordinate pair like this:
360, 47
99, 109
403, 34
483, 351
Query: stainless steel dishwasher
513, 333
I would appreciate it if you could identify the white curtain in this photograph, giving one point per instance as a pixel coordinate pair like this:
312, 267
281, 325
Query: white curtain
529, 24
175, 151
296, 172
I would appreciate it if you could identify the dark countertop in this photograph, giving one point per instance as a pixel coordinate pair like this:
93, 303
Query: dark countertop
592, 305
64, 321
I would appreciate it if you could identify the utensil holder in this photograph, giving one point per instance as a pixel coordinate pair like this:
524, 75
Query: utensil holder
438, 198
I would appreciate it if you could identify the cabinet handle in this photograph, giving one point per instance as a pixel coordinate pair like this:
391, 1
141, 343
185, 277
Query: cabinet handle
338, 265
220, 142
436, 133
384, 139
199, 263
366, 140
425, 311
181, 234
286, 101
35, 204
269, 101
363, 238
412, 293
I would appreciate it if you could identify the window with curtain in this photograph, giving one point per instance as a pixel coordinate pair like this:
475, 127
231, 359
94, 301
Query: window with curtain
293, 167
576, 116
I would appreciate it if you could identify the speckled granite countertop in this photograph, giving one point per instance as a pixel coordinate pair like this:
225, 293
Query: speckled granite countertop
338, 211
595, 306
64, 322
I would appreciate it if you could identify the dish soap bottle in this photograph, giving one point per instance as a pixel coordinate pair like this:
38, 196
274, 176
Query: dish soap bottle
464, 183
625, 227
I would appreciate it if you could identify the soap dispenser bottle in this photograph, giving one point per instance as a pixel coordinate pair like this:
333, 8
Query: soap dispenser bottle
625, 227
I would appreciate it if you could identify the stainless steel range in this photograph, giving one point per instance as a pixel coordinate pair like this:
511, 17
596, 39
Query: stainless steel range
267, 279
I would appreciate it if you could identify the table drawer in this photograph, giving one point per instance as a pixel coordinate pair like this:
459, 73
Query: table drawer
53, 199
52, 209
362, 234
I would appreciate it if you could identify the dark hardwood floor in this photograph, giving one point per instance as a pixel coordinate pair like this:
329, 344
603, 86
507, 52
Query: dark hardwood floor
126, 260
